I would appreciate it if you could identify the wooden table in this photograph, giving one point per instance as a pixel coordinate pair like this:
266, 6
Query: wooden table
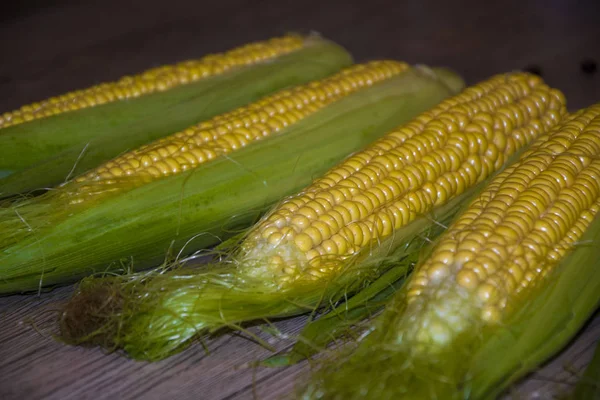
55, 46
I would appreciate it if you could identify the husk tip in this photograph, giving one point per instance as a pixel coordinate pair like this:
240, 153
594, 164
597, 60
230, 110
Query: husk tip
449, 78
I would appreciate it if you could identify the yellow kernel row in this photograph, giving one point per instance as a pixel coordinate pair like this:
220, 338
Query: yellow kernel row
412, 169
154, 80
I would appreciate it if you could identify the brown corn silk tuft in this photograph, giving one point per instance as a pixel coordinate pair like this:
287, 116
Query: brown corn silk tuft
155, 80
91, 311
227, 132
406, 174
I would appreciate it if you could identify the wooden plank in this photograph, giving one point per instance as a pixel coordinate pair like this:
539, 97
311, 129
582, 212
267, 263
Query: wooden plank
35, 366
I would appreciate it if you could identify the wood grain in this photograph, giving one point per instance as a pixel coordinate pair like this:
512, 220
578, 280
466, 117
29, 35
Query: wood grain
35, 366
54, 46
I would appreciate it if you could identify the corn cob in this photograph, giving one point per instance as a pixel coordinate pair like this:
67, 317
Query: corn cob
498, 293
324, 242
46, 142
210, 179
154, 80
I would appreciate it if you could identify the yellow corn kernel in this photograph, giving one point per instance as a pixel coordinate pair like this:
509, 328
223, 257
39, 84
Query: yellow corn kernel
411, 170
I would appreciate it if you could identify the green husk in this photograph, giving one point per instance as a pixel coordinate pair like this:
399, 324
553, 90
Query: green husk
44, 241
45, 152
588, 387
344, 319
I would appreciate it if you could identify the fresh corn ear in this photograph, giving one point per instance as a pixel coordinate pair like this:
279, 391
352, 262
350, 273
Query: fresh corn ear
226, 133
194, 188
332, 237
509, 283
48, 142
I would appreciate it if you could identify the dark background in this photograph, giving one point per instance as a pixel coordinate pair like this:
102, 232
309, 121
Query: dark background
54, 46
50, 47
